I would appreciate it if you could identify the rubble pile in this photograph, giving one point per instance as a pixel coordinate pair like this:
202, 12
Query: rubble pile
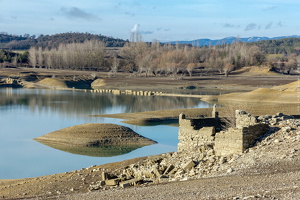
202, 162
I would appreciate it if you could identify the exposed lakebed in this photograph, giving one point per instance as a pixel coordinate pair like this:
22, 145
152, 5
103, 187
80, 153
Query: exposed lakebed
29, 113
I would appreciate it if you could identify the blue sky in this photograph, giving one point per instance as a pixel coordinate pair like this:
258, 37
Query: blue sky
164, 20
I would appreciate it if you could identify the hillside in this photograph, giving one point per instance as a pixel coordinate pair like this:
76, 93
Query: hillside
284, 46
25, 42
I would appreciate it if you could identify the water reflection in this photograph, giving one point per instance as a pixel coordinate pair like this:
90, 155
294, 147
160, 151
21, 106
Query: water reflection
99, 151
27, 113
86, 103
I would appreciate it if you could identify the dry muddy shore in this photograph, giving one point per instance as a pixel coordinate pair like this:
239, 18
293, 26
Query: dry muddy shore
241, 81
269, 170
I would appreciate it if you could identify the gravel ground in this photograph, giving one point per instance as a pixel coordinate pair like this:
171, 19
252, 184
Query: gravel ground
258, 186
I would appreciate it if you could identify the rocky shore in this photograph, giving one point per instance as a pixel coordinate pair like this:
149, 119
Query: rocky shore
203, 162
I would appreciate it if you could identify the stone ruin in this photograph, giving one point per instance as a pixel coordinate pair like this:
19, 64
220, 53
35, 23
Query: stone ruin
195, 133
205, 149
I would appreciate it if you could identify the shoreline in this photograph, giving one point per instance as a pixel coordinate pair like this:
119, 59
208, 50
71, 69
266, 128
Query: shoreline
55, 185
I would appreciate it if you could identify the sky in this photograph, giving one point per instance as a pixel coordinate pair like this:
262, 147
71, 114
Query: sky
162, 20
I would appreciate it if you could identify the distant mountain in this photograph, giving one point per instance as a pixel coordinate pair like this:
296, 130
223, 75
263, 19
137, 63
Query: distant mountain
229, 40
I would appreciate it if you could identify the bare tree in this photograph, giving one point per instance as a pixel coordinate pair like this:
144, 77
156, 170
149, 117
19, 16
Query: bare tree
32, 57
87, 55
40, 59
114, 66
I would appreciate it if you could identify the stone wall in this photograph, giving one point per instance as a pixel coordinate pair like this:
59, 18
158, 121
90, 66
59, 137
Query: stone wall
194, 133
244, 119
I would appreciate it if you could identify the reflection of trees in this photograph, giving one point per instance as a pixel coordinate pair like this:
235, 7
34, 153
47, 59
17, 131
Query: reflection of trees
81, 103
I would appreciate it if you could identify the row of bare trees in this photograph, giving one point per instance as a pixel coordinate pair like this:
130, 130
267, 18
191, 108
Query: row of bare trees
231, 57
149, 59
154, 59
287, 64
80, 56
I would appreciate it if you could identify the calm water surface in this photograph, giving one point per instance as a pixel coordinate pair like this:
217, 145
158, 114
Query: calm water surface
26, 114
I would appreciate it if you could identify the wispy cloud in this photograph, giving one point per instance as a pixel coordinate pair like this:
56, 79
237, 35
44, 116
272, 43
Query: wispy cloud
131, 14
136, 27
146, 32
163, 29
250, 27
227, 25
269, 8
269, 26
77, 13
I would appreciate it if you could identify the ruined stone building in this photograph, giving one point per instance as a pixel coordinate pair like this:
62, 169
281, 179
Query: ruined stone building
194, 133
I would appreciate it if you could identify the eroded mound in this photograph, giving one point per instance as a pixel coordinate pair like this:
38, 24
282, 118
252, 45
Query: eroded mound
292, 87
281, 94
95, 134
53, 82
98, 83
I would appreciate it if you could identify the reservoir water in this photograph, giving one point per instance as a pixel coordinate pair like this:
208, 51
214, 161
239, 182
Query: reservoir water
29, 113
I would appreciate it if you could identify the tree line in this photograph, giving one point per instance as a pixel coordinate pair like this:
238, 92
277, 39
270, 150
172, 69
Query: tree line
152, 59
281, 46
149, 59
9, 58
88, 55
156, 59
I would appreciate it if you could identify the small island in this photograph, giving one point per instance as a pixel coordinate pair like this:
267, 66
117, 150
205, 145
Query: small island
95, 139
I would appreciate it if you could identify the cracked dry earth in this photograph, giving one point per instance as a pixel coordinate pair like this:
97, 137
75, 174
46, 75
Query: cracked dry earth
269, 170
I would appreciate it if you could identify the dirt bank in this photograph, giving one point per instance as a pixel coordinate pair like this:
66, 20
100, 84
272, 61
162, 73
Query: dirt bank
171, 116
262, 101
288, 94
243, 80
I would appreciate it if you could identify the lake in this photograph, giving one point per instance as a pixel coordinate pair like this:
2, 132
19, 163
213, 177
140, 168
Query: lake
29, 113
